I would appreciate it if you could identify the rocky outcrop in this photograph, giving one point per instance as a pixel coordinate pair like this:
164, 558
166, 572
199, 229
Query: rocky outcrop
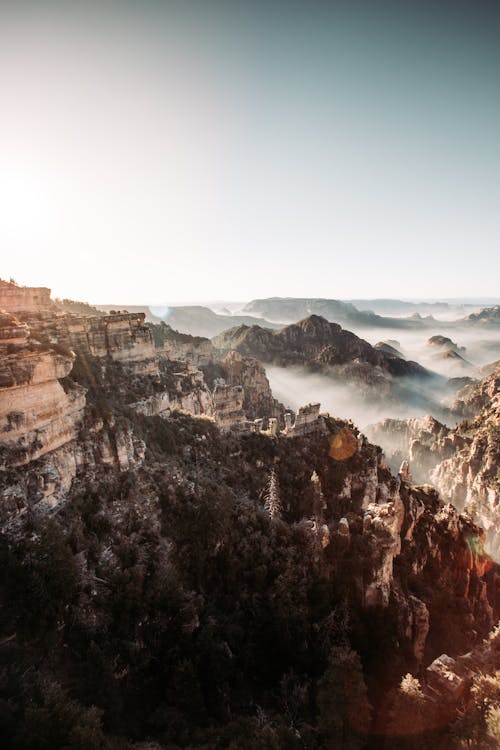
463, 462
249, 373
450, 353
477, 396
37, 415
488, 316
307, 420
228, 407
423, 441
390, 349
471, 476
24, 300
47, 433
191, 393
452, 689
446, 344
122, 337
182, 347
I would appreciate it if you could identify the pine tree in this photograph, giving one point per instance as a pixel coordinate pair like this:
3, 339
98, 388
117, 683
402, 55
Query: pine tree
272, 500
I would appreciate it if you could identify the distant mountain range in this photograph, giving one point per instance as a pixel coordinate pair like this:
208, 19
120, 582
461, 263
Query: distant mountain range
289, 309
397, 307
276, 312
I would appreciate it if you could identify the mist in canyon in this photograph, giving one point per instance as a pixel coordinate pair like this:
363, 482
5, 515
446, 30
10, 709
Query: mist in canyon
411, 397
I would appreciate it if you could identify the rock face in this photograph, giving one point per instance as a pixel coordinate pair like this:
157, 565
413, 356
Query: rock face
228, 406
24, 299
307, 420
423, 441
463, 463
478, 395
392, 351
123, 337
444, 342
37, 415
45, 426
191, 392
249, 373
471, 476
182, 347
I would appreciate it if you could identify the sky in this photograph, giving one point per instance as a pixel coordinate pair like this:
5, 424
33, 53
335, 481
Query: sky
152, 153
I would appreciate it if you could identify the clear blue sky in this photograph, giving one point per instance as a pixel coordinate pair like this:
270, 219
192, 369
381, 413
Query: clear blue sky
157, 152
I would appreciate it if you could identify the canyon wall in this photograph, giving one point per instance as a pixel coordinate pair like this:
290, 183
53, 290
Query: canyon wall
37, 415
24, 299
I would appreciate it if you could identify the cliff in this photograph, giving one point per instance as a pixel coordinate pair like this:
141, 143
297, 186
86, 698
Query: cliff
37, 415
123, 337
462, 462
424, 441
24, 300
471, 476
250, 374
182, 347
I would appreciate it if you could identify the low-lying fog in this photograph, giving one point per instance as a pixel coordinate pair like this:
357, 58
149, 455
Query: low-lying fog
482, 346
295, 387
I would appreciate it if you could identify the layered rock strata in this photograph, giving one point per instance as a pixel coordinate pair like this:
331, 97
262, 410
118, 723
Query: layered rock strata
123, 337
182, 347
24, 299
37, 415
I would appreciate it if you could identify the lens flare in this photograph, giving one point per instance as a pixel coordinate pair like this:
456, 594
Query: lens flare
160, 311
343, 445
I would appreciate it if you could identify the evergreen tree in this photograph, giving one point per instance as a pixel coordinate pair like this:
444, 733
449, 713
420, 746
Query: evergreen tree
272, 499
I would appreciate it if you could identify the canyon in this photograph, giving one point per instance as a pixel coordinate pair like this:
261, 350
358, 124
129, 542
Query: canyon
154, 450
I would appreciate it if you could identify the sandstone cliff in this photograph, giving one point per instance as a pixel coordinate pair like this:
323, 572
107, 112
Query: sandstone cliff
182, 347
24, 300
123, 337
37, 415
250, 374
